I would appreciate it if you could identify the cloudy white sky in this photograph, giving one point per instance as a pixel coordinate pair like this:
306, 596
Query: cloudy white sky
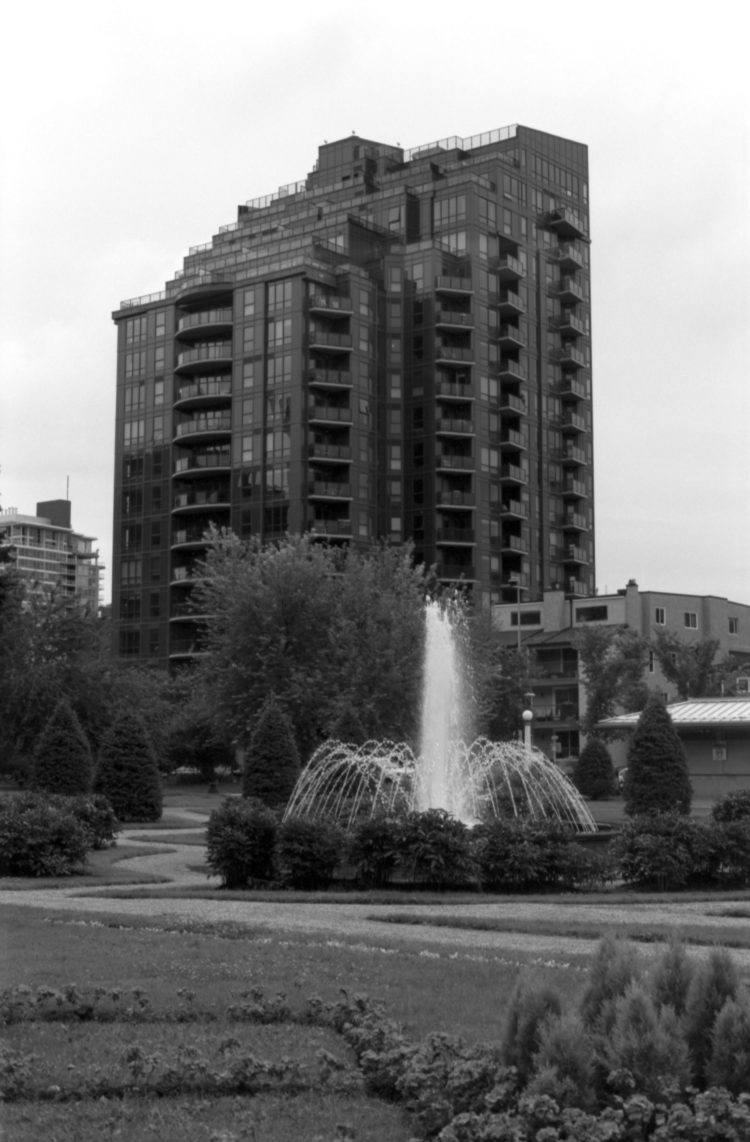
132, 131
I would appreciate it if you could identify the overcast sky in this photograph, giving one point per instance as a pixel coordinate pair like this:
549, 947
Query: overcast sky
132, 131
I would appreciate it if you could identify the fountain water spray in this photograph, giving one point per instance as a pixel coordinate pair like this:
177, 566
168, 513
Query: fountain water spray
476, 782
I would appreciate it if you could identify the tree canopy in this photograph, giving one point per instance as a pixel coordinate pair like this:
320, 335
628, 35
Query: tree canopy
612, 661
320, 627
657, 778
691, 666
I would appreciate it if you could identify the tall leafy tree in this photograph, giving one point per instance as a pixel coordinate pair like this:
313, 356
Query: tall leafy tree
612, 662
657, 778
690, 666
319, 627
500, 677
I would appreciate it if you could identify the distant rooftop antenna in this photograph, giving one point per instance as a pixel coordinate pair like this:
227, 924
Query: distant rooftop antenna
67, 487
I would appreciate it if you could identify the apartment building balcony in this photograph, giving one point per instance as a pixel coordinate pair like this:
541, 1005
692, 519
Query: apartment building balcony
565, 714
198, 499
193, 325
569, 256
573, 489
453, 319
319, 413
204, 356
513, 474
191, 536
509, 370
330, 379
330, 453
454, 461
326, 341
197, 463
575, 555
577, 587
454, 390
514, 508
454, 498
565, 221
513, 545
445, 535
572, 457
329, 490
507, 267
453, 426
511, 403
204, 427
574, 521
512, 440
331, 305
452, 284
184, 575
568, 325
449, 571
570, 388
332, 527
573, 422
569, 357
510, 338
509, 304
567, 290
454, 355
204, 391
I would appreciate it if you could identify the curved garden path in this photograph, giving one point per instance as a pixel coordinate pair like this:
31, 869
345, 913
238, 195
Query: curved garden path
362, 922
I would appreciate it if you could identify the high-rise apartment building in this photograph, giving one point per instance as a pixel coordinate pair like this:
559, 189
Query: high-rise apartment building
51, 557
397, 347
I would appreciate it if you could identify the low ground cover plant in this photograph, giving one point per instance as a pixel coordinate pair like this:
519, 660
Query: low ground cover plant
646, 1051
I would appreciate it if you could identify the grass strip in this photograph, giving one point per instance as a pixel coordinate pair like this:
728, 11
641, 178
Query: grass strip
101, 870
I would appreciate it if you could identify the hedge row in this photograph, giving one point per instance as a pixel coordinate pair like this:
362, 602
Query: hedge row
50, 834
247, 845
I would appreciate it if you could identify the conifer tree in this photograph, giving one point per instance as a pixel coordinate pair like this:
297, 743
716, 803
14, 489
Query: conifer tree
128, 772
62, 759
657, 779
272, 761
594, 775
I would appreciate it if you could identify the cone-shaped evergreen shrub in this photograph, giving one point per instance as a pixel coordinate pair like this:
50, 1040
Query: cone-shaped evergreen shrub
347, 727
645, 1043
564, 1063
62, 759
128, 772
714, 982
657, 778
671, 978
594, 775
531, 1004
729, 1064
614, 967
272, 762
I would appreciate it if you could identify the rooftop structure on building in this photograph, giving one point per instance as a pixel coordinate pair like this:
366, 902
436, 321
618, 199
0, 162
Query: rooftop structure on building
397, 347
51, 556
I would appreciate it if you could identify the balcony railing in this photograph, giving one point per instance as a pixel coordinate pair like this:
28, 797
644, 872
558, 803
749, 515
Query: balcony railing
447, 283
324, 339
222, 316
455, 535
567, 289
454, 390
203, 460
510, 302
450, 498
510, 402
571, 389
454, 354
451, 426
513, 473
329, 412
334, 452
330, 378
205, 387
514, 509
566, 221
458, 462
216, 351
569, 256
201, 498
331, 303
204, 424
512, 438
507, 267
569, 357
329, 490
332, 527
454, 317
573, 422
509, 370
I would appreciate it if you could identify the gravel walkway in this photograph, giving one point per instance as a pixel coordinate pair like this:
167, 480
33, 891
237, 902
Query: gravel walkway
363, 922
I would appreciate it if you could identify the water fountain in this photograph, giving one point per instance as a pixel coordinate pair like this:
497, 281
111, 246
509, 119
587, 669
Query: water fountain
475, 782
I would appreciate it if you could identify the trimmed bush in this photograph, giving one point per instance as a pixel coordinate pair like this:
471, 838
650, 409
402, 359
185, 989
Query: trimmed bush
729, 856
272, 761
240, 841
38, 838
94, 813
373, 849
594, 775
523, 855
62, 758
664, 851
657, 777
436, 850
732, 807
307, 852
128, 772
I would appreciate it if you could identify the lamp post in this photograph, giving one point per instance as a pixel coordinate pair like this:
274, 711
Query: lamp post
528, 717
